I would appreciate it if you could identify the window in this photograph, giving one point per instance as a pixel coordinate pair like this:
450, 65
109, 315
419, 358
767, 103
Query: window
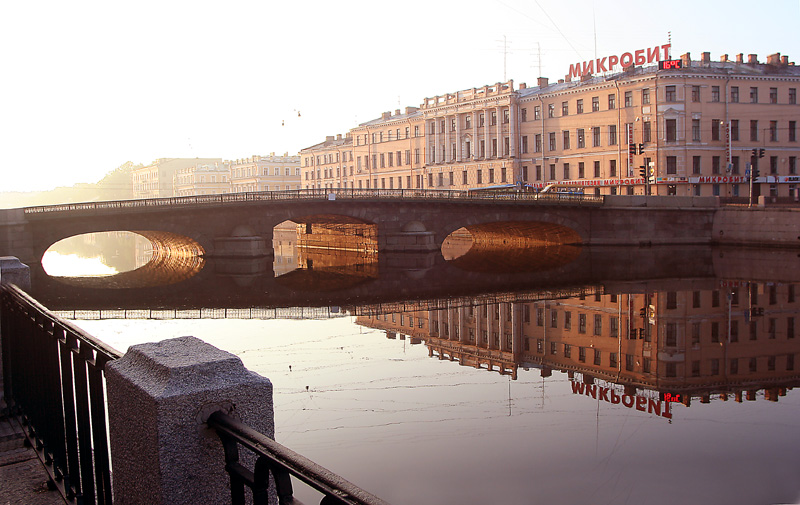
773, 165
581, 138
754, 130
612, 168
491, 175
566, 171
792, 165
523, 115
579, 107
715, 163
612, 101
735, 165
467, 121
734, 94
505, 116
696, 130
734, 129
552, 139
753, 95
551, 110
537, 143
537, 112
629, 99
645, 96
567, 320
552, 171
581, 323
793, 95
672, 130
773, 95
524, 143
612, 135
672, 165
670, 94
597, 168
581, 170
598, 324
480, 120
595, 103
494, 147
493, 118
715, 93
553, 318
792, 131
646, 131
773, 131
715, 129
696, 165
695, 93
596, 136
565, 108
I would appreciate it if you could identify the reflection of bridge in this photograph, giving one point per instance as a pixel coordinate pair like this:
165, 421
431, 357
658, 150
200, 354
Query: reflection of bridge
207, 313
406, 220
401, 277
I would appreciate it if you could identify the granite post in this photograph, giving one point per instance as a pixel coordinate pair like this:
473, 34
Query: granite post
159, 397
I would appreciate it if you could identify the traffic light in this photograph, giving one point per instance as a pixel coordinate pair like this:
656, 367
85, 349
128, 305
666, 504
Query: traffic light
641, 148
761, 153
643, 172
755, 152
632, 148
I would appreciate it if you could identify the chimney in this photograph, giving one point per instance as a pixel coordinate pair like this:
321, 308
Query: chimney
723, 58
784, 60
774, 59
338, 136
705, 58
740, 58
410, 110
561, 81
397, 112
686, 59
523, 85
329, 138
587, 77
386, 115
542, 82
752, 59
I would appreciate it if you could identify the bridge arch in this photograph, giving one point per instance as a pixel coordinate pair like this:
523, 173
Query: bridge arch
174, 258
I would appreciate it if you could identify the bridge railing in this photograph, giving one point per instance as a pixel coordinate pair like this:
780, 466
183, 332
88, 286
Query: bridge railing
323, 194
281, 463
54, 378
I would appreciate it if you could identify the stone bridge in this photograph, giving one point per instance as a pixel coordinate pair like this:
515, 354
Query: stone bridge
241, 225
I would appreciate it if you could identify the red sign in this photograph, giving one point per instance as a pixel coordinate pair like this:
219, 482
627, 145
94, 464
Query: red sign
670, 64
638, 57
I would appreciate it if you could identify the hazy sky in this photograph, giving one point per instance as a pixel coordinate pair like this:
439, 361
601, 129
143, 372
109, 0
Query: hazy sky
87, 86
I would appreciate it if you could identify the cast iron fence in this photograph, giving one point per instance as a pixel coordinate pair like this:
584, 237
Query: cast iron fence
53, 378
281, 463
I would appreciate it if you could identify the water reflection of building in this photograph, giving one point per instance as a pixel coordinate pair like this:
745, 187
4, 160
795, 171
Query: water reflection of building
732, 341
284, 245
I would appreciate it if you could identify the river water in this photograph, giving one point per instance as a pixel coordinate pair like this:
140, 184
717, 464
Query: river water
623, 376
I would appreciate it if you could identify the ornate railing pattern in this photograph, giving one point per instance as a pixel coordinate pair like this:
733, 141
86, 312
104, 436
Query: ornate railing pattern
53, 375
324, 194
281, 463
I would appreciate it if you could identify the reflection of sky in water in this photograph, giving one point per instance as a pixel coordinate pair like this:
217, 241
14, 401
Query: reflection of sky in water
73, 265
412, 429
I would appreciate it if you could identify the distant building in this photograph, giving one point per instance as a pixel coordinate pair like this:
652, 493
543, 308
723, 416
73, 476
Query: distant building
689, 130
265, 173
202, 179
156, 180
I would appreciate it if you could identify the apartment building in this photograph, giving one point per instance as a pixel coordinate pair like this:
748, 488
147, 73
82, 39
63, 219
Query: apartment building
265, 173
157, 179
202, 179
687, 130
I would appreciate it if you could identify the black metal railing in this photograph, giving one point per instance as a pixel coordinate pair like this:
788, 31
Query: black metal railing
323, 194
53, 378
282, 463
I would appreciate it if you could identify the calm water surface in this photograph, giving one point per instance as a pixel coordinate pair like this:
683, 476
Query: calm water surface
516, 397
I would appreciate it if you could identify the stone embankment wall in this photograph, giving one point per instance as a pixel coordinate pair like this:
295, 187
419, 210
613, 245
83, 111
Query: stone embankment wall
757, 226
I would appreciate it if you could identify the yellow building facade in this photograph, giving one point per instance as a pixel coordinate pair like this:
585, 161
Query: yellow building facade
683, 131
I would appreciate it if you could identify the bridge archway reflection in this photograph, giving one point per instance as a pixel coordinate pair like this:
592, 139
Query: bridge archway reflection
325, 252
134, 259
512, 246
